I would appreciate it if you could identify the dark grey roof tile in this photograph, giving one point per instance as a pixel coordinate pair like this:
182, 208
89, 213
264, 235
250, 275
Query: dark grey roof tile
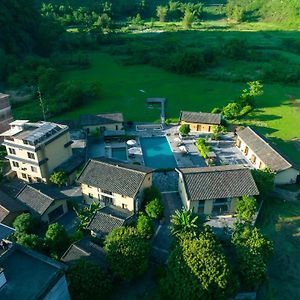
266, 153
218, 182
114, 176
200, 117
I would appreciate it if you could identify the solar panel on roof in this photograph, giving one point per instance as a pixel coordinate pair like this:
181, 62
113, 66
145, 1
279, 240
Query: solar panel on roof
42, 131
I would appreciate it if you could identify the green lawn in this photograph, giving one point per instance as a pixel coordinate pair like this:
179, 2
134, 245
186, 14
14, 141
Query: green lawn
280, 221
122, 88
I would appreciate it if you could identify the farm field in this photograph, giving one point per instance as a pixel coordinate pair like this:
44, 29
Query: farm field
280, 221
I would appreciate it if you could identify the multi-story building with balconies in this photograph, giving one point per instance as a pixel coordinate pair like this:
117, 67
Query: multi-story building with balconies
5, 113
35, 150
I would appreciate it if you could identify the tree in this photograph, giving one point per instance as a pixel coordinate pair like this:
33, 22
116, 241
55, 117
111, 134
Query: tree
231, 110
25, 223
104, 21
59, 177
155, 209
127, 252
161, 12
150, 194
184, 129
145, 226
253, 252
264, 180
57, 239
188, 19
251, 267
85, 214
31, 241
197, 269
246, 209
184, 221
88, 281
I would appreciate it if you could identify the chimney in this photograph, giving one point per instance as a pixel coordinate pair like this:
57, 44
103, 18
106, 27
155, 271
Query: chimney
2, 278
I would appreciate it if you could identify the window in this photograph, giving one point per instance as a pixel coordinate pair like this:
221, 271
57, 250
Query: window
91, 196
238, 143
253, 158
30, 155
123, 196
24, 175
33, 169
15, 164
124, 206
12, 151
260, 165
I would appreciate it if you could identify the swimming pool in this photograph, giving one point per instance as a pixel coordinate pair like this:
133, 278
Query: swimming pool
119, 153
157, 152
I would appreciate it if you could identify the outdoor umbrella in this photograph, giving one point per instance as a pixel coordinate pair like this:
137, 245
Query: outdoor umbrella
131, 142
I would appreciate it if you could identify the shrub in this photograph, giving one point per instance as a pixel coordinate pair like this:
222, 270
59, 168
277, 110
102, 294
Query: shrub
145, 226
203, 147
216, 110
150, 194
246, 209
231, 110
59, 178
155, 209
245, 110
184, 129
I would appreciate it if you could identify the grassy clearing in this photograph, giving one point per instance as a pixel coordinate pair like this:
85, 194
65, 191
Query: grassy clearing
122, 85
280, 221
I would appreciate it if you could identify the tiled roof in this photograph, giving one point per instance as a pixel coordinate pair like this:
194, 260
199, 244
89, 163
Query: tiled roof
266, 153
109, 118
108, 218
38, 197
85, 249
218, 182
71, 165
9, 205
113, 176
200, 117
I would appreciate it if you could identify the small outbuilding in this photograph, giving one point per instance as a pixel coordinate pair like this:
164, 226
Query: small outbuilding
215, 190
107, 124
44, 201
10, 208
199, 121
109, 218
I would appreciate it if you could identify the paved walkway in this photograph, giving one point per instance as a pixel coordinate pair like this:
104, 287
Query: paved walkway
161, 241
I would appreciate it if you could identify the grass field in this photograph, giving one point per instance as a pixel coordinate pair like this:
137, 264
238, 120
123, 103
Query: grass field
280, 221
125, 88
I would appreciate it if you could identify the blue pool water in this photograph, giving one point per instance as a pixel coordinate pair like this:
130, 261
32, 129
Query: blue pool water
119, 153
157, 152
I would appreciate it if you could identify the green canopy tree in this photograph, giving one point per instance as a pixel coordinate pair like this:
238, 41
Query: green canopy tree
127, 253
198, 269
57, 239
88, 281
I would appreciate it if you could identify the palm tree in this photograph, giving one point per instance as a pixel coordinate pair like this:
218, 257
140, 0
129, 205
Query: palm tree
184, 221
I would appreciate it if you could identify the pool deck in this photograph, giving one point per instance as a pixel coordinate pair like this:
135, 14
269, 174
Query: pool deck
190, 159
